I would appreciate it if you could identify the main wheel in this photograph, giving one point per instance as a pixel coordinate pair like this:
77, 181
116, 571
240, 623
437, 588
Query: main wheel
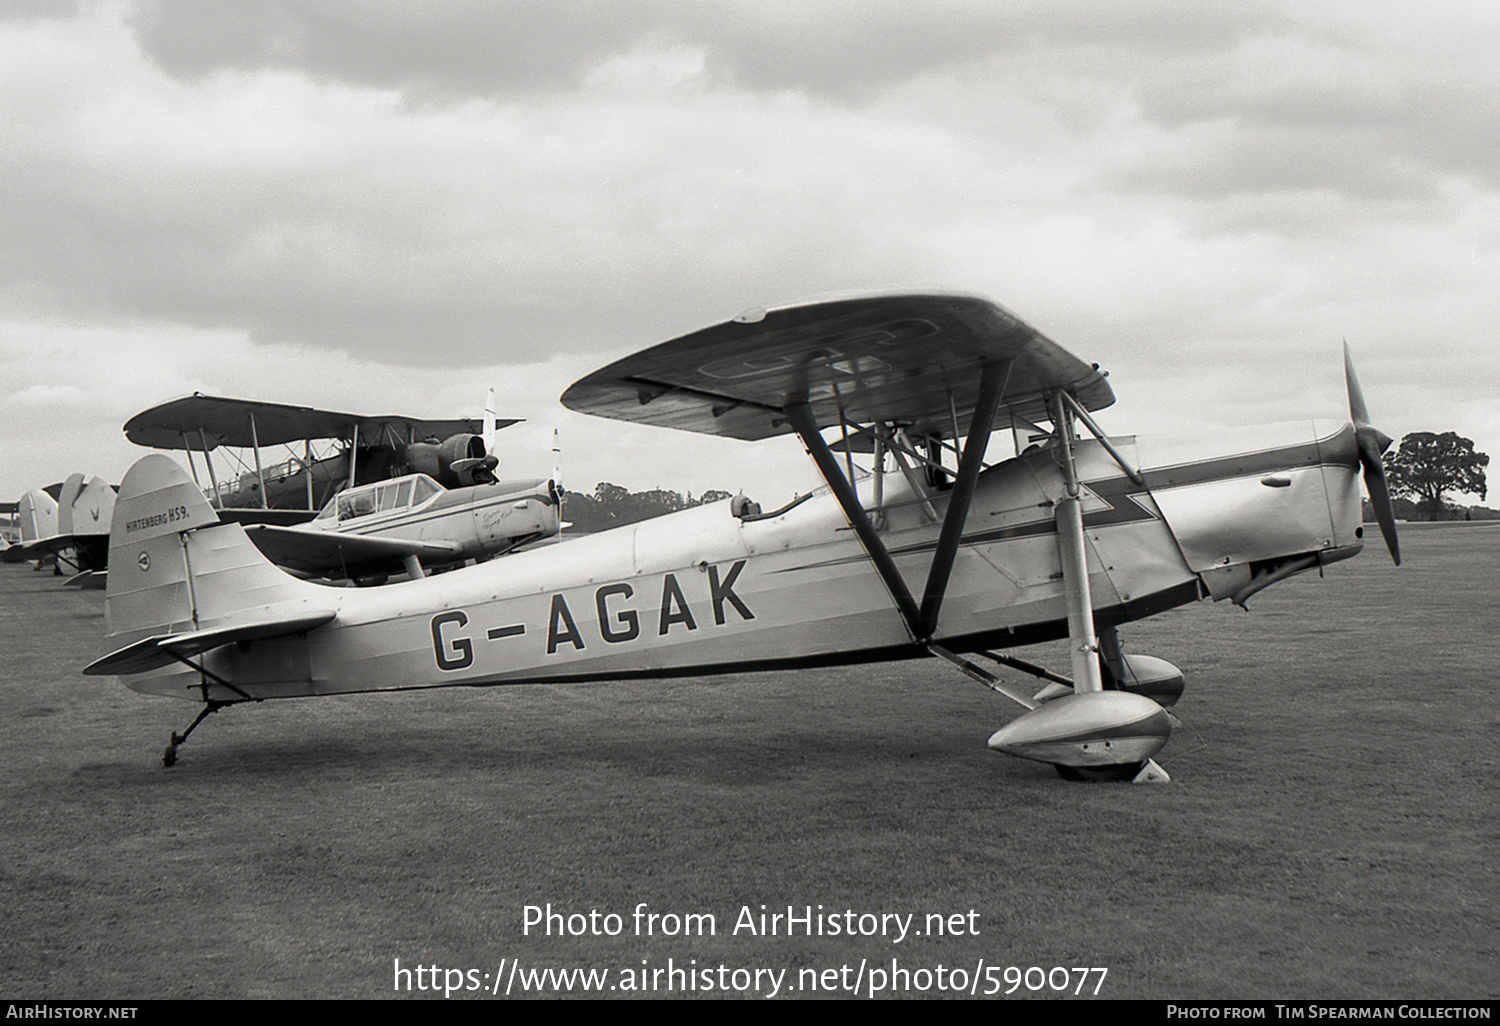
1092, 774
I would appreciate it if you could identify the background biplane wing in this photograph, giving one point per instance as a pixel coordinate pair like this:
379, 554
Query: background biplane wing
186, 423
351, 555
912, 360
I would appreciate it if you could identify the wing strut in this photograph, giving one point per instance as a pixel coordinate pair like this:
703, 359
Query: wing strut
802, 421
992, 380
900, 448
921, 622
212, 477
260, 476
1072, 548
353, 455
1109, 447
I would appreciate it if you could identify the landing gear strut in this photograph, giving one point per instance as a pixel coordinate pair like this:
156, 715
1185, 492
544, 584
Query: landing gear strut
210, 705
1086, 732
169, 757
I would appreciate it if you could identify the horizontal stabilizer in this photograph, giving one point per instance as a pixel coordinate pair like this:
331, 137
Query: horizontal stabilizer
162, 649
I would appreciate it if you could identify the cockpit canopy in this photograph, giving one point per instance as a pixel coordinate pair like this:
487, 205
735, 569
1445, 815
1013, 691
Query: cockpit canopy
381, 497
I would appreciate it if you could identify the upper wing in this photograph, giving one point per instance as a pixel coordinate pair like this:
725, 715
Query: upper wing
909, 359
353, 555
186, 424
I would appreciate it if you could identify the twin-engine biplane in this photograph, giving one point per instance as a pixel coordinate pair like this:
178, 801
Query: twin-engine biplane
936, 551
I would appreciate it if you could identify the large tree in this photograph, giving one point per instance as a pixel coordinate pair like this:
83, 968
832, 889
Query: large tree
1427, 465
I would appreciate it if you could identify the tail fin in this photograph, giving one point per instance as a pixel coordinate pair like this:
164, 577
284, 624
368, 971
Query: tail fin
93, 509
65, 499
37, 512
174, 567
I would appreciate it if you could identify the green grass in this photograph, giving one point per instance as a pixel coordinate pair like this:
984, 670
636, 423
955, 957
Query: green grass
1330, 831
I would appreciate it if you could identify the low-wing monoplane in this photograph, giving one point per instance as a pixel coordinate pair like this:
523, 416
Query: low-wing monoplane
412, 524
925, 556
365, 449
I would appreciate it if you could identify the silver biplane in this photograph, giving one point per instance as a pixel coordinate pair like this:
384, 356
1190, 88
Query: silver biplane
366, 448
397, 495
919, 558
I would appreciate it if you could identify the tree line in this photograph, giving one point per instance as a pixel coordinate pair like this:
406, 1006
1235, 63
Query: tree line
610, 505
1426, 467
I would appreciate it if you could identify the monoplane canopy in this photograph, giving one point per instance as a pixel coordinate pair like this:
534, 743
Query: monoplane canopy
909, 359
186, 423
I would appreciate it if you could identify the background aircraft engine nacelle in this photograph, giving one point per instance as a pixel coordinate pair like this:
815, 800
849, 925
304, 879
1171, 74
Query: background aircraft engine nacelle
1092, 729
437, 459
1155, 678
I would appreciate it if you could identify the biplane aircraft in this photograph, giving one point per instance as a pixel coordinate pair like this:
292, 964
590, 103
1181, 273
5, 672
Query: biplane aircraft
452, 452
412, 523
915, 559
430, 497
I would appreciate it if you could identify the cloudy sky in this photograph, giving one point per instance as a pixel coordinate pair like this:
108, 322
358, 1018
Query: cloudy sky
389, 206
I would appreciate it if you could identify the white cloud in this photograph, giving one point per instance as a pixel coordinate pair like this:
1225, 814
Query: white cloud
379, 213
34, 397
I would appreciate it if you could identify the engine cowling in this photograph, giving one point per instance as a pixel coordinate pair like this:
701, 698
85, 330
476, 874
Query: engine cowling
450, 462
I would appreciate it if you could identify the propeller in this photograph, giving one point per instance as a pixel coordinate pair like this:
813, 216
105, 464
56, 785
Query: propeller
557, 464
480, 470
554, 484
1372, 443
490, 418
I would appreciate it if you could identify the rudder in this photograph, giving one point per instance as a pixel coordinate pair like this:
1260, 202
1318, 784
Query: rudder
173, 566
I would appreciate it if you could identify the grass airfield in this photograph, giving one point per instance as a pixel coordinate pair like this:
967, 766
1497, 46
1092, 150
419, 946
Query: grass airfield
1330, 831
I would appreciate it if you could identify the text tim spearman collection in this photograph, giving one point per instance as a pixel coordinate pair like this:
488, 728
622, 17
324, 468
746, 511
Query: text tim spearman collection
758, 921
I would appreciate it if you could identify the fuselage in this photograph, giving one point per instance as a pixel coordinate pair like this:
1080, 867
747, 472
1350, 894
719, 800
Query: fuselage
704, 590
481, 520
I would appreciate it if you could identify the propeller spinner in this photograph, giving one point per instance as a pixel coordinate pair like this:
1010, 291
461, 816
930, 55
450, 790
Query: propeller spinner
1372, 444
